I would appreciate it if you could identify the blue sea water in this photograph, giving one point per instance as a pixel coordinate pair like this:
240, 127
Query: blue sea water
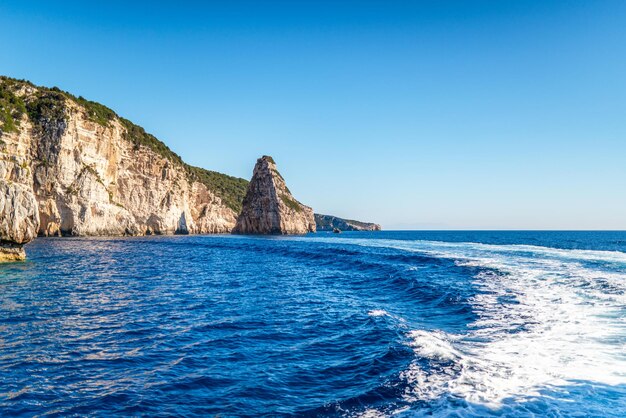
459, 324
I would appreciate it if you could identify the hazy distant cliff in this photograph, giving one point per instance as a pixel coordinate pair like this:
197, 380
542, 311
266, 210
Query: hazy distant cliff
91, 172
328, 223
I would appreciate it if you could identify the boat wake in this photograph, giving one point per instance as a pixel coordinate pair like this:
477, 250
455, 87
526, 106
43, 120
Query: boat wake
550, 326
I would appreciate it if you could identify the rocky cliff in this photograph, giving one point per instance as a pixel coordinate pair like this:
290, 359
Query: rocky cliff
328, 223
269, 207
69, 166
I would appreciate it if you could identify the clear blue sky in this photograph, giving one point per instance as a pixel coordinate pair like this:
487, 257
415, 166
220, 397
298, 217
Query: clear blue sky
432, 114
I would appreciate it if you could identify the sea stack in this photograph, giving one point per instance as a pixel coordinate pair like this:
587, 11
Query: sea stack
269, 207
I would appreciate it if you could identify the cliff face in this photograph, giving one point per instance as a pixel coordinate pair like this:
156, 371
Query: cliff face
328, 223
19, 219
269, 207
73, 167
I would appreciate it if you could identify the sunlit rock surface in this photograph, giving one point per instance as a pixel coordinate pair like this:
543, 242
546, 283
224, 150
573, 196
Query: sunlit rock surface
81, 173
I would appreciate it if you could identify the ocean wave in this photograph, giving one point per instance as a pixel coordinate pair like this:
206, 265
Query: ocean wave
433, 345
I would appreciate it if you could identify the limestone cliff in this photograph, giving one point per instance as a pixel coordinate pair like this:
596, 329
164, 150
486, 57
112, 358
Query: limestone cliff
329, 223
69, 166
269, 207
19, 220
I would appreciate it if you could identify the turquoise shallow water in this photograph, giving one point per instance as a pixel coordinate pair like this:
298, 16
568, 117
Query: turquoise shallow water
356, 324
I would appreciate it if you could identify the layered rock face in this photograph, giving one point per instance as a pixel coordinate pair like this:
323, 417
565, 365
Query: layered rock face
329, 223
94, 182
269, 207
73, 167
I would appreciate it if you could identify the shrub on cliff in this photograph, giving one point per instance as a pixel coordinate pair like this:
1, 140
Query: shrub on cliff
46, 106
228, 188
96, 112
11, 109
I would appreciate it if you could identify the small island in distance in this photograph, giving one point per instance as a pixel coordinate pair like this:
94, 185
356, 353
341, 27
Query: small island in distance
73, 167
330, 223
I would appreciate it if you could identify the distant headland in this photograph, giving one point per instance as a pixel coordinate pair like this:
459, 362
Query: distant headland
73, 167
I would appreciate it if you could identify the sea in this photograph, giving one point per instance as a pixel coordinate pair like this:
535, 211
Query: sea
357, 324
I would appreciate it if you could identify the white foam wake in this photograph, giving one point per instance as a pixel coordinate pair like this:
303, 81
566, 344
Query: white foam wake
378, 312
546, 318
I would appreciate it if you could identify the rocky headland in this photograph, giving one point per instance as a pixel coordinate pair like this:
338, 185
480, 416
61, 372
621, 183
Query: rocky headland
73, 167
331, 223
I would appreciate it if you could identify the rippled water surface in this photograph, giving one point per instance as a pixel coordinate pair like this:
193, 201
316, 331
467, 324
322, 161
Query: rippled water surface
357, 324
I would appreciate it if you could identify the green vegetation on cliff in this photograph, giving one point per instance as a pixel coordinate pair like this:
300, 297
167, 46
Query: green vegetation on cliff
44, 105
230, 189
139, 137
96, 112
11, 108
48, 103
291, 203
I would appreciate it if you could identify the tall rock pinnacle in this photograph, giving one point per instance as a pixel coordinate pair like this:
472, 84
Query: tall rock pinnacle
269, 207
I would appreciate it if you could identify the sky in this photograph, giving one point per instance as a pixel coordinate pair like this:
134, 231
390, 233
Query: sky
412, 114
